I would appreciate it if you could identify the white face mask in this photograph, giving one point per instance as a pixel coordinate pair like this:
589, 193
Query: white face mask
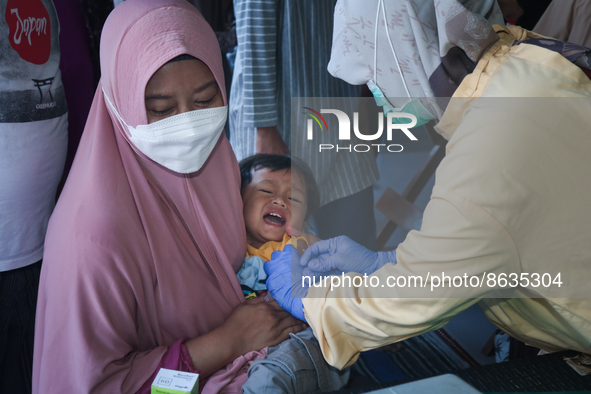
410, 105
181, 143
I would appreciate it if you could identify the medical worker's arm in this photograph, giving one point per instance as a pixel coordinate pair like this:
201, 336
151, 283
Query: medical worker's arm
456, 238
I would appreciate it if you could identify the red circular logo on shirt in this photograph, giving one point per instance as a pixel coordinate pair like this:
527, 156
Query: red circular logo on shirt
29, 29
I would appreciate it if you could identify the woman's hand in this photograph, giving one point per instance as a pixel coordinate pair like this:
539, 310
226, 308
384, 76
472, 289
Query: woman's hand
252, 325
260, 323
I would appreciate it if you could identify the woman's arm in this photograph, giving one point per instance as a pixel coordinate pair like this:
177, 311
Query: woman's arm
252, 325
210, 352
91, 324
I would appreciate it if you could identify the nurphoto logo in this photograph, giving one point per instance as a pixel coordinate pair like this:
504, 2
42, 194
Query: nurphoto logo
393, 120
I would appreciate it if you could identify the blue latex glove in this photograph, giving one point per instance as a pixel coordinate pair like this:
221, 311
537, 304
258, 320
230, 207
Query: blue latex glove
285, 290
345, 255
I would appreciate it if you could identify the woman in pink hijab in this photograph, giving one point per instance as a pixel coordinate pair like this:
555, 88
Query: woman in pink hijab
143, 246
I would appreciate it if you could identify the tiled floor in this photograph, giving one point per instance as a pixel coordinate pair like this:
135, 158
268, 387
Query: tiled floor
470, 328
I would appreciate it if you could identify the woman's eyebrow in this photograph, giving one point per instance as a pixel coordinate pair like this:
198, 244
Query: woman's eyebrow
157, 96
204, 86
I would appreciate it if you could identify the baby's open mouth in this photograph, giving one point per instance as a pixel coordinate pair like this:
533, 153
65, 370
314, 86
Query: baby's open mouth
274, 219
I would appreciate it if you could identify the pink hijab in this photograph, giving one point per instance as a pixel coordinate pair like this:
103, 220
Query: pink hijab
137, 257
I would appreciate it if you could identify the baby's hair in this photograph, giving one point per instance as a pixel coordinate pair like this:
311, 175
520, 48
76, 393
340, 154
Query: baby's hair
280, 162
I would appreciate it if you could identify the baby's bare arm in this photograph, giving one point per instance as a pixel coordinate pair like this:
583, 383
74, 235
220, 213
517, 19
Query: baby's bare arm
301, 240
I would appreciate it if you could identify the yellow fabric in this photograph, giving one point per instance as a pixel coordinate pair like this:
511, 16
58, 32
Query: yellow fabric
265, 251
506, 199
